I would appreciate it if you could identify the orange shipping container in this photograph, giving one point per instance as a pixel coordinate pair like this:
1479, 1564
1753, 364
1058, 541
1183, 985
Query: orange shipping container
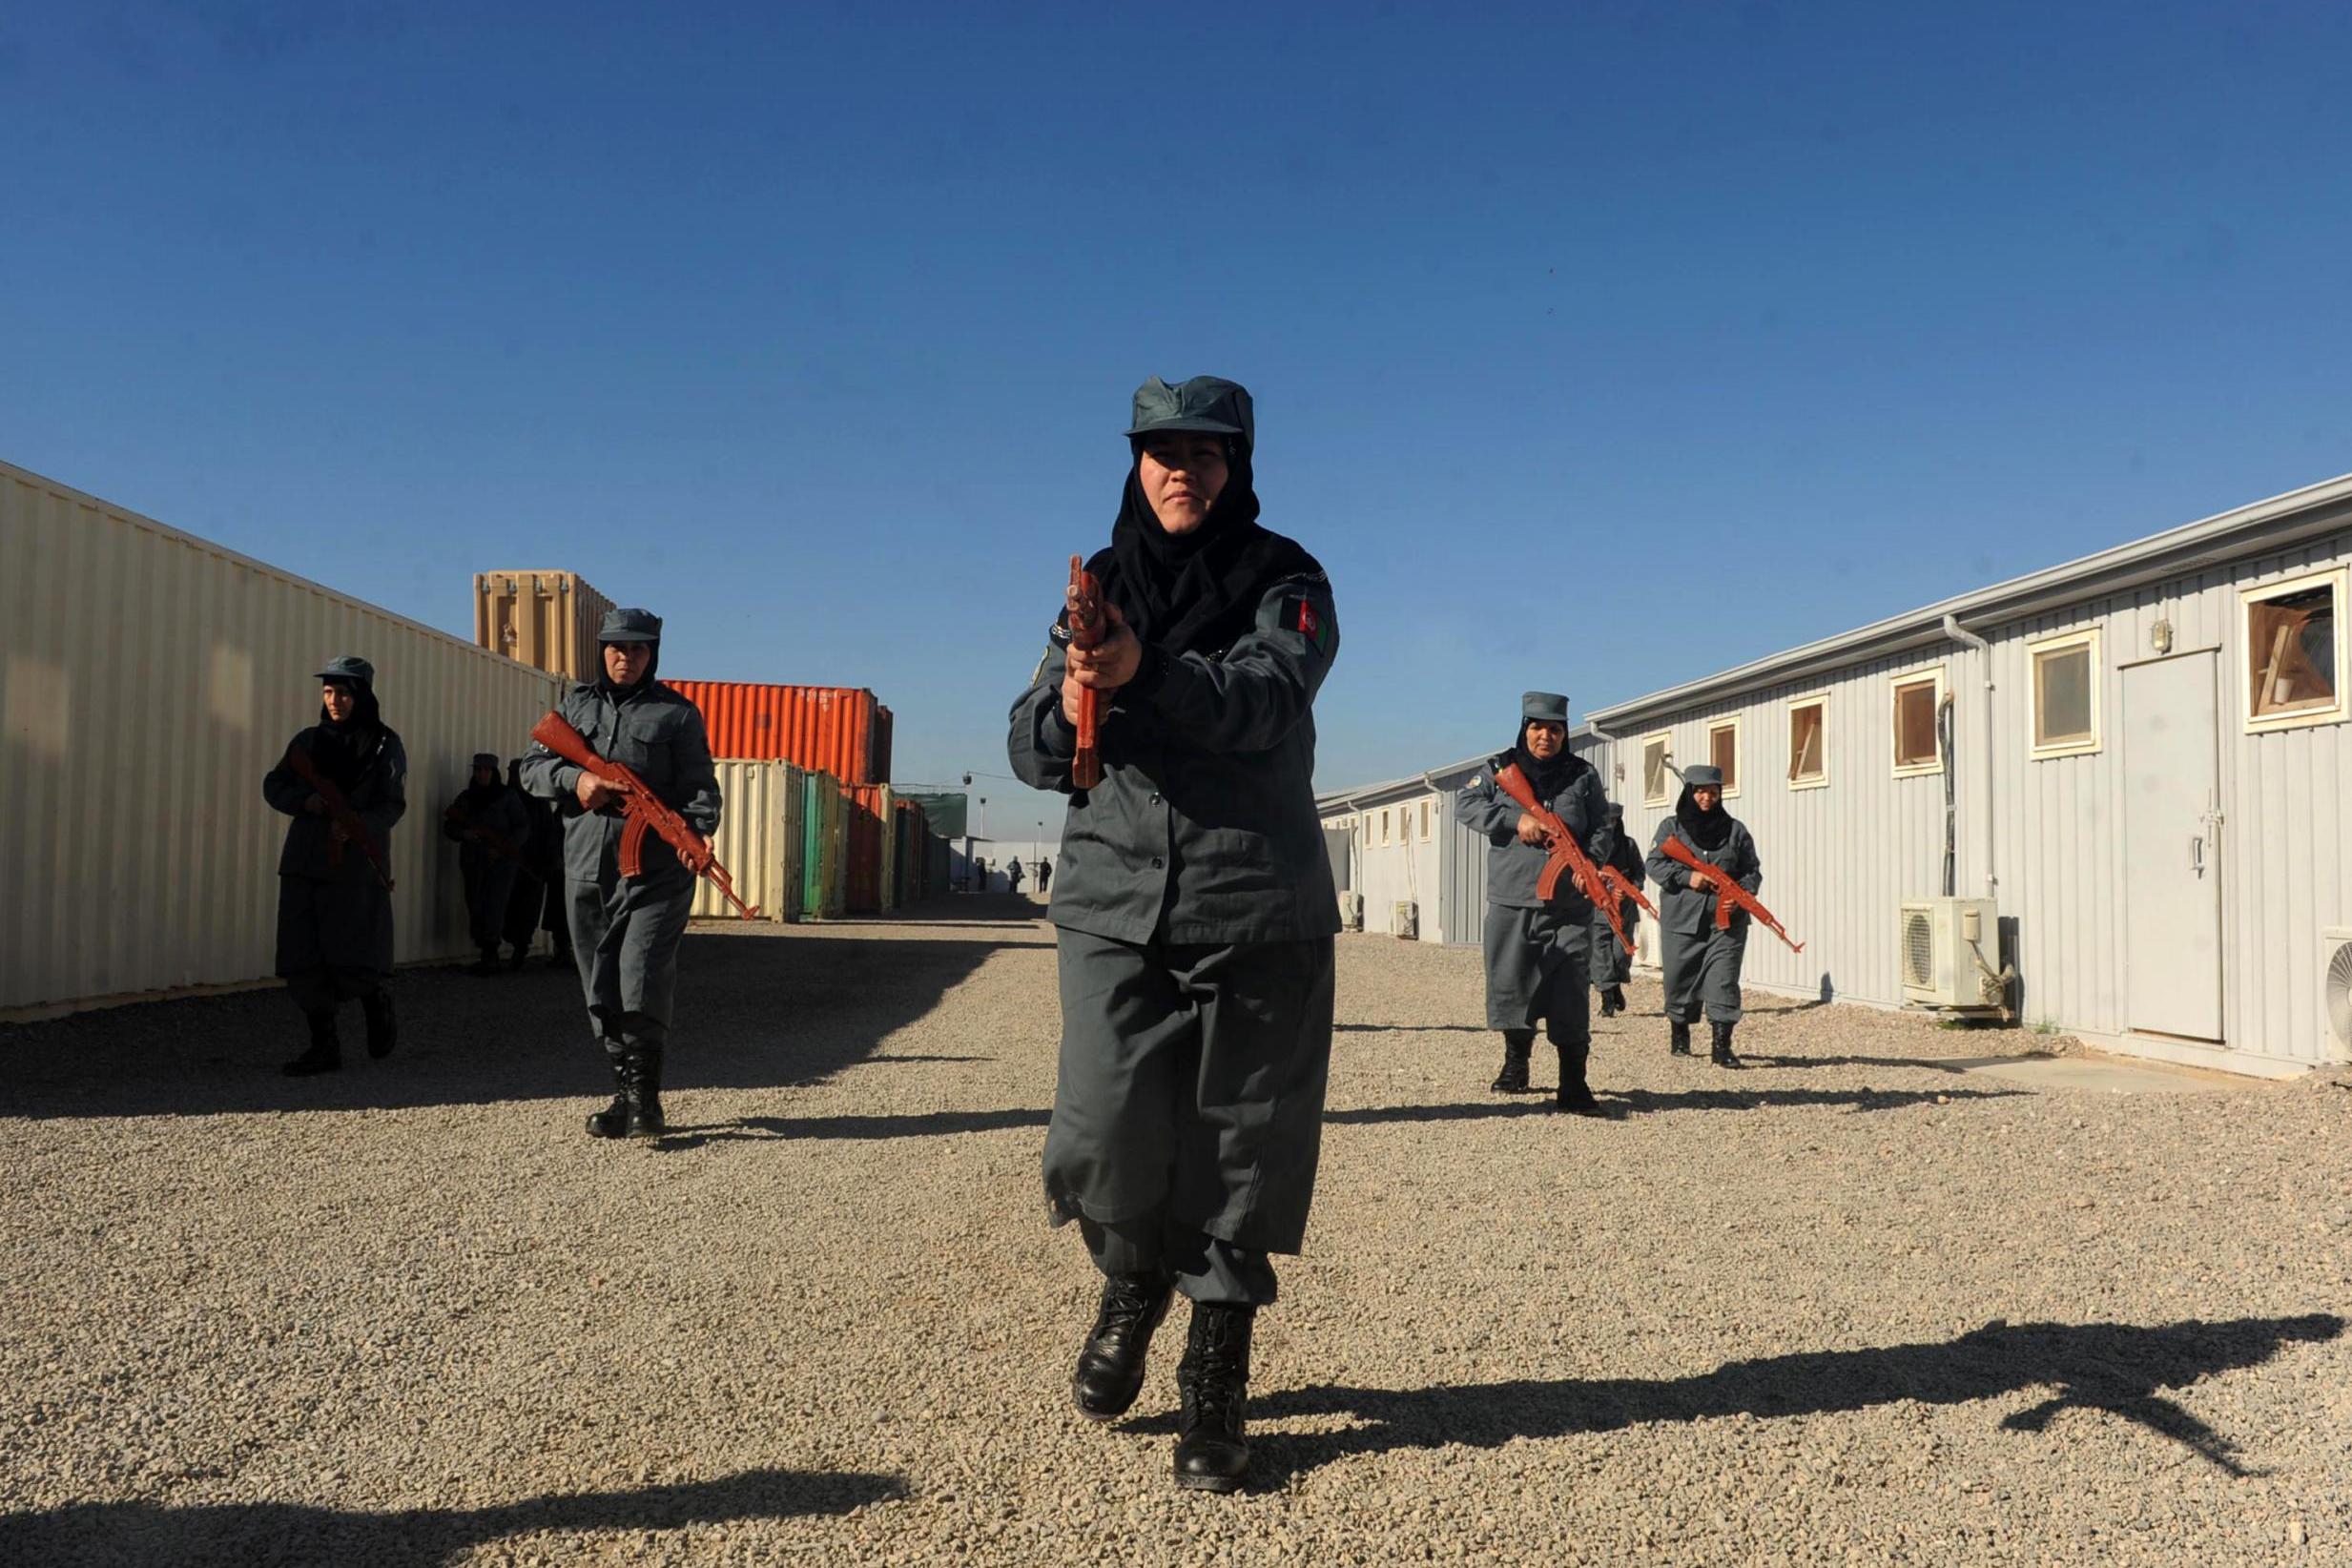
839, 729
546, 619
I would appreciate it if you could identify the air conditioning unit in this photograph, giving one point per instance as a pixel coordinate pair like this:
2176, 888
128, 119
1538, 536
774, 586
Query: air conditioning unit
2336, 993
1405, 920
1951, 953
1352, 912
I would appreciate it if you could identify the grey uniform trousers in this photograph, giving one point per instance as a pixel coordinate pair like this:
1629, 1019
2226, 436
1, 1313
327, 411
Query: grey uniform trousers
1188, 1111
1613, 965
624, 937
1702, 968
1535, 969
334, 940
488, 887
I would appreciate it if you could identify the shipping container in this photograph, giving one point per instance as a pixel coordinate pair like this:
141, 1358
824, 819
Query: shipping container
149, 679
761, 840
823, 819
546, 619
869, 850
833, 727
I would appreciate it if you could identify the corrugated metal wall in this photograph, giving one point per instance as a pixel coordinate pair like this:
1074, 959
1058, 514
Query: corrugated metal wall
1840, 860
761, 840
148, 679
833, 727
546, 619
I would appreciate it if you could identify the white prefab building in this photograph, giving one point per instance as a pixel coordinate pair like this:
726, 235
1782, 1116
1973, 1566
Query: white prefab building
2120, 785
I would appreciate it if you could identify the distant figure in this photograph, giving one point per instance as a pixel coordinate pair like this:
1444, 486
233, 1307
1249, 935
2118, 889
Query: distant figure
1537, 952
1703, 964
1045, 876
492, 829
626, 930
1613, 965
1012, 873
537, 902
980, 875
334, 893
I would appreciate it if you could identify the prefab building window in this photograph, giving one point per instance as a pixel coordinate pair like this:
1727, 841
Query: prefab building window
1724, 750
1424, 821
2294, 653
1808, 743
1656, 778
2066, 695
1918, 748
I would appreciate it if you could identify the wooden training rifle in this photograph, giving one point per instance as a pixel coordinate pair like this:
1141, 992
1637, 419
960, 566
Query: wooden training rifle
1729, 895
1568, 857
353, 826
1087, 626
644, 809
497, 843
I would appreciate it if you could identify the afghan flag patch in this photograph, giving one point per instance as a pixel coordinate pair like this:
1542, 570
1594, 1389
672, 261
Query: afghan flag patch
1300, 615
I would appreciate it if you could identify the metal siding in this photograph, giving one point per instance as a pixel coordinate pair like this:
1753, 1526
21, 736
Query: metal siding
148, 680
836, 728
546, 619
758, 839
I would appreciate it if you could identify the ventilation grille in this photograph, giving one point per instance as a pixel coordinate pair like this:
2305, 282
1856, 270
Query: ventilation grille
1918, 948
2336, 987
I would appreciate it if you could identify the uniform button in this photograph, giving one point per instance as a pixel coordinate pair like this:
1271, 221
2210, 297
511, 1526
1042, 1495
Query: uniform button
1155, 799
1158, 864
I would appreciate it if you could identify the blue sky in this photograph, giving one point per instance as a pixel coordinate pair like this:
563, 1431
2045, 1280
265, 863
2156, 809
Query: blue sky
1594, 347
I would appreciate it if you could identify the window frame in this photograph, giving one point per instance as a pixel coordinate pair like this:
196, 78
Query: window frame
1811, 781
1426, 816
2035, 649
1664, 738
1739, 753
1385, 839
2338, 581
1936, 676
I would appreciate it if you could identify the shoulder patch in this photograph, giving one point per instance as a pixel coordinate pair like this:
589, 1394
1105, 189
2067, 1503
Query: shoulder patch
1299, 614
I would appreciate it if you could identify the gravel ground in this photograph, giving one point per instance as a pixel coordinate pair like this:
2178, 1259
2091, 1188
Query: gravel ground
1847, 1306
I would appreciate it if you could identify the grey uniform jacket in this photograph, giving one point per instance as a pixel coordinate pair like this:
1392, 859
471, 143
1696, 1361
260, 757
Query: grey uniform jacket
506, 815
380, 797
653, 731
1512, 869
1683, 911
1204, 827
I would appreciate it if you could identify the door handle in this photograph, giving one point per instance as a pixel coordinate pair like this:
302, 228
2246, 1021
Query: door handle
2197, 853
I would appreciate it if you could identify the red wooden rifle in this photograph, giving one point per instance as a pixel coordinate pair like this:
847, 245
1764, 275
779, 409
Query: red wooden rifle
1729, 895
347, 821
1568, 857
644, 809
1087, 626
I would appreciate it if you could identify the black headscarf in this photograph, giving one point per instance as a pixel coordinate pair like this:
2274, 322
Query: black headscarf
478, 797
343, 748
1197, 592
1549, 778
1710, 830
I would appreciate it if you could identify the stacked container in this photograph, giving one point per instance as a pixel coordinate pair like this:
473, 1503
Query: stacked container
546, 619
823, 817
838, 729
762, 841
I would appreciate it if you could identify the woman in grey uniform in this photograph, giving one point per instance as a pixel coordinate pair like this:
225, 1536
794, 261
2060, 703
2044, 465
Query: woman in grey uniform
1701, 963
1537, 954
1612, 963
492, 828
626, 930
1195, 914
333, 908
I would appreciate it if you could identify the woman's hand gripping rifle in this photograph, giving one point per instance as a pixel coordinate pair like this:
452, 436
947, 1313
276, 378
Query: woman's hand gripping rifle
1728, 894
1567, 854
1087, 625
643, 808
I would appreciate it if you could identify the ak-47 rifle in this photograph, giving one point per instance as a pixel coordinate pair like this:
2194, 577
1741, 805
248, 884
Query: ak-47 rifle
1729, 895
1568, 857
644, 809
1087, 626
348, 823
497, 843
1622, 886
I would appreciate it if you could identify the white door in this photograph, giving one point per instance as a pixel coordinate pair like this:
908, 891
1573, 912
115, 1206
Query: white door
2172, 871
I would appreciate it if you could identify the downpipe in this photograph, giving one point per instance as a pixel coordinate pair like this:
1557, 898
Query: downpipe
2006, 977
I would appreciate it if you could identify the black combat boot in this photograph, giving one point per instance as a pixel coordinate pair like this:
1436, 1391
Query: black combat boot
1518, 1046
522, 951
612, 1122
1573, 1094
1213, 1378
641, 1078
1111, 1364
1678, 1042
326, 1050
1612, 1001
383, 1030
1722, 1055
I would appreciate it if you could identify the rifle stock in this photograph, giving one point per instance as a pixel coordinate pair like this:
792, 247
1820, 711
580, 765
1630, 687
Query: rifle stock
1729, 895
1086, 629
340, 811
645, 811
1568, 857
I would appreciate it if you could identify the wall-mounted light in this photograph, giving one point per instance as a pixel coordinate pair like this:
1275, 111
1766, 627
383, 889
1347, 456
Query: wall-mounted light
2160, 637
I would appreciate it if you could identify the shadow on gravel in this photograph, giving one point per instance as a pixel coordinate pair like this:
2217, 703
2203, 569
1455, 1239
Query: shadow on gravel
921, 1124
133, 1532
2121, 1369
754, 1012
1650, 1101
1410, 1029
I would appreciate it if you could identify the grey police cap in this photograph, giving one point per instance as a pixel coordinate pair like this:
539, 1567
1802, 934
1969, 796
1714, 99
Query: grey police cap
1703, 773
488, 760
1205, 402
348, 667
1548, 706
630, 626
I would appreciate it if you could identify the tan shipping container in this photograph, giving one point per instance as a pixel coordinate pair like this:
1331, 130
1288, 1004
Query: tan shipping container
761, 840
546, 619
148, 679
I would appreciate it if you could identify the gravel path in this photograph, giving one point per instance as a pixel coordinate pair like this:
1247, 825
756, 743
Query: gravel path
1848, 1307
